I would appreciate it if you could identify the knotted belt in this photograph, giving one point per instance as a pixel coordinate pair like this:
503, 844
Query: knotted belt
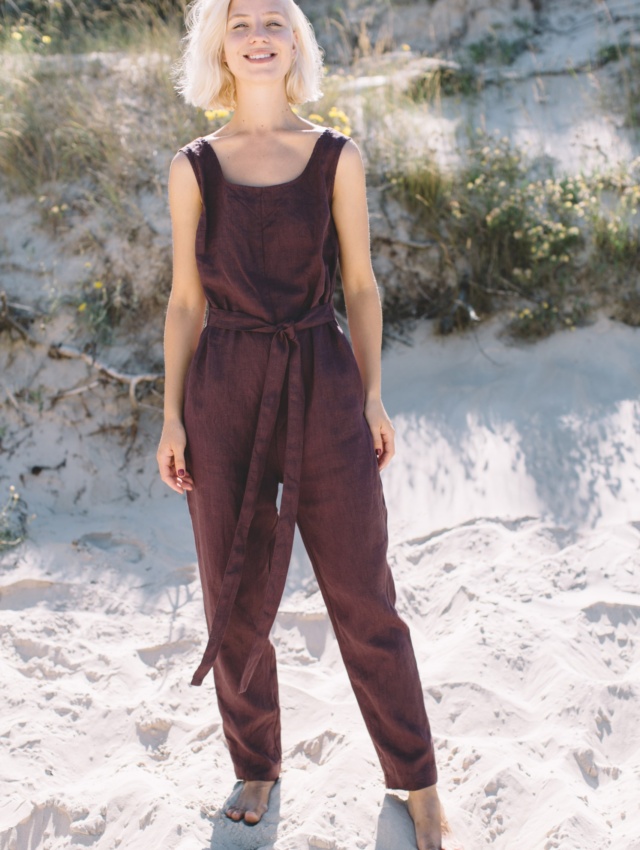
284, 350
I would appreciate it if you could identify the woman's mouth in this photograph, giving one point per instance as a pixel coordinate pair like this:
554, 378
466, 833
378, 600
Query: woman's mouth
258, 58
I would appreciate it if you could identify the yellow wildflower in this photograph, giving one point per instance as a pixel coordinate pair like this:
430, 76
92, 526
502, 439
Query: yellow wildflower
82, 307
98, 284
212, 114
405, 47
55, 209
315, 117
46, 39
16, 36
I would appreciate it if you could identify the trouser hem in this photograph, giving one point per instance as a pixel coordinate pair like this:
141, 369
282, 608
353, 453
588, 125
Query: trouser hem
412, 782
270, 775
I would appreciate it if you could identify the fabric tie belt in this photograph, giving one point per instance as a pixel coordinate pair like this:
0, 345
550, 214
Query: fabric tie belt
284, 350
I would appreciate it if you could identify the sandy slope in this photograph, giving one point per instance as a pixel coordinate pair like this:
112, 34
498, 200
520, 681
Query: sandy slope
514, 516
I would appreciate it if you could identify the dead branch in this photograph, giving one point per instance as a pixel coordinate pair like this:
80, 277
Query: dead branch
74, 391
6, 308
406, 243
58, 352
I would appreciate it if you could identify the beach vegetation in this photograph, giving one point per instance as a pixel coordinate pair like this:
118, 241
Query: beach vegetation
497, 231
445, 80
496, 49
557, 246
14, 515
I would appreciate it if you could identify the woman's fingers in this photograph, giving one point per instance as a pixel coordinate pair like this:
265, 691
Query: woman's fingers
172, 466
382, 431
167, 472
384, 443
182, 477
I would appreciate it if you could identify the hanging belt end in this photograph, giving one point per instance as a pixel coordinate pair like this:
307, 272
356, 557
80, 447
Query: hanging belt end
201, 672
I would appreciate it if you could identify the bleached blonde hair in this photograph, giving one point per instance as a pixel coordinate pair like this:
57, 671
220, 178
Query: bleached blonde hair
201, 78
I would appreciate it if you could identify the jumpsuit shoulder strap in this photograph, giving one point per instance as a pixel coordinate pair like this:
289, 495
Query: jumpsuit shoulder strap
196, 154
335, 141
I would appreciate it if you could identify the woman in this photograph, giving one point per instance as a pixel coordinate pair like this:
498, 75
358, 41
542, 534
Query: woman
271, 391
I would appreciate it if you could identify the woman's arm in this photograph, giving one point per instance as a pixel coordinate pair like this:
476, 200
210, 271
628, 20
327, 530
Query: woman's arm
183, 324
362, 299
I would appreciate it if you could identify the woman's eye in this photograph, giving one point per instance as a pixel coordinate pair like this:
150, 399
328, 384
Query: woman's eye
271, 23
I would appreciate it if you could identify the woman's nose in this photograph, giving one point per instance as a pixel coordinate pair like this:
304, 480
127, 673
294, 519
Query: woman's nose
260, 31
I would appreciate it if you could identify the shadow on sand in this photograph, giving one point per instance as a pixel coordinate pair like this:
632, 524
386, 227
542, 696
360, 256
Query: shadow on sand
395, 827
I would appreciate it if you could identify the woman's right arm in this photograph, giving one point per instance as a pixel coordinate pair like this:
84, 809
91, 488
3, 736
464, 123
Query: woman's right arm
183, 324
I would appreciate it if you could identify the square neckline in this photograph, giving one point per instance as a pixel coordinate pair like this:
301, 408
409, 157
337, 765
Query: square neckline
270, 185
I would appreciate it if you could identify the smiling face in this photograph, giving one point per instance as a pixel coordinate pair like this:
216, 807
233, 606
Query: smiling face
259, 42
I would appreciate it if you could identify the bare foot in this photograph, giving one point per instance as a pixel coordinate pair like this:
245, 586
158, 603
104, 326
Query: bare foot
424, 808
252, 802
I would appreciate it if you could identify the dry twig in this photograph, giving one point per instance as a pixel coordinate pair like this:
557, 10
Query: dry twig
67, 352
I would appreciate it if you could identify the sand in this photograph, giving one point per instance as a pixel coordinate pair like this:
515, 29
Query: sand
514, 519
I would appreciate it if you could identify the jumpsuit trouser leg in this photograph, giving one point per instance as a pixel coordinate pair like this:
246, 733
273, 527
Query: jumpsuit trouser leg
342, 520
251, 720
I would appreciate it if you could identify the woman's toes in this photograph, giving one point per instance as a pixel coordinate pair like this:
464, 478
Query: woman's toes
254, 815
233, 813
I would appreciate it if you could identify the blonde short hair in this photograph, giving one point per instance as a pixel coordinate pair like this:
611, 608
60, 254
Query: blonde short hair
203, 80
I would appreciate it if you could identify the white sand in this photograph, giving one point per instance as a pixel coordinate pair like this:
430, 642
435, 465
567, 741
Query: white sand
514, 513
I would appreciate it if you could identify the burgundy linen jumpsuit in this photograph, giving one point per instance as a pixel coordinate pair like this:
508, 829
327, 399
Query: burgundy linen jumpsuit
274, 394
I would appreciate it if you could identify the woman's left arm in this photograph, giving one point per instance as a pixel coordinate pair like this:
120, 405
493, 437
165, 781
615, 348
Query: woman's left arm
362, 299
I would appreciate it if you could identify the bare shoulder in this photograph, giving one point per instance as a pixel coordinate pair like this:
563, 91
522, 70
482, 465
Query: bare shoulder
350, 153
184, 191
350, 171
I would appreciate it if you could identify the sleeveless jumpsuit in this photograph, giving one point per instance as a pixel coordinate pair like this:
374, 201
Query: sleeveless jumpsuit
274, 394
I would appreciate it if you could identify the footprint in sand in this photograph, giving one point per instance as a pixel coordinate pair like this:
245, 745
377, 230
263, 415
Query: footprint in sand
54, 818
27, 593
493, 819
313, 626
616, 627
124, 548
153, 733
318, 749
42, 660
162, 652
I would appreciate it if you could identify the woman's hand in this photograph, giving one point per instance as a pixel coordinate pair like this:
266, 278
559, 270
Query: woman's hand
382, 430
170, 457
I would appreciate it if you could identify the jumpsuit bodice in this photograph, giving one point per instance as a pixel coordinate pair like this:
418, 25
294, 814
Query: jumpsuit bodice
270, 251
267, 257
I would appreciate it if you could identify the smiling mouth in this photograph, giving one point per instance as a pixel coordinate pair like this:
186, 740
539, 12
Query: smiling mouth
259, 57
